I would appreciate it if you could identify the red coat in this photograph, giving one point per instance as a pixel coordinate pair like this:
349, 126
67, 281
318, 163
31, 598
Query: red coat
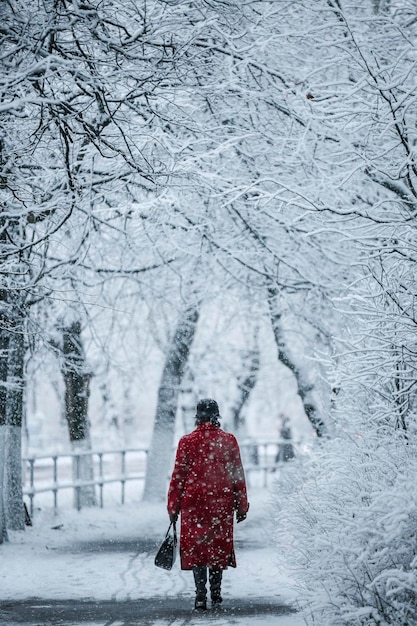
207, 486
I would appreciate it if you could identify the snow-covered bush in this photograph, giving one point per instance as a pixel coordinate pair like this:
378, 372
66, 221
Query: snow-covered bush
348, 528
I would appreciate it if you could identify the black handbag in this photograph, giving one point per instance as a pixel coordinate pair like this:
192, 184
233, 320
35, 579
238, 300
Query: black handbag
165, 557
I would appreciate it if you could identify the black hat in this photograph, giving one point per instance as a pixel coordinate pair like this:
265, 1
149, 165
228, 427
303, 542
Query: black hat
207, 410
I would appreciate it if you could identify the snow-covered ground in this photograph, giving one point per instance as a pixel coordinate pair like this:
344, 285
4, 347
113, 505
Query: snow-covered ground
104, 557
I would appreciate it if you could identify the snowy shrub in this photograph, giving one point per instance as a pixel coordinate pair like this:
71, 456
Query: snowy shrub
347, 525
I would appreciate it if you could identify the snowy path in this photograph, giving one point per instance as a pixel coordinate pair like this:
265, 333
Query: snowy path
168, 611
95, 568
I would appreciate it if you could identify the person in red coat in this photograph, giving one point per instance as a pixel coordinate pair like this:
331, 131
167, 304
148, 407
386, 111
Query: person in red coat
207, 486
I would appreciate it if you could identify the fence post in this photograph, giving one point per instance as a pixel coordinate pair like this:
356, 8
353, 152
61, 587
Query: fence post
123, 471
100, 471
55, 487
265, 464
77, 479
32, 484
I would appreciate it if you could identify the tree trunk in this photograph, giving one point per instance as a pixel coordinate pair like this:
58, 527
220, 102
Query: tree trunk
246, 382
4, 347
15, 515
188, 401
304, 388
3, 530
159, 457
77, 385
4, 342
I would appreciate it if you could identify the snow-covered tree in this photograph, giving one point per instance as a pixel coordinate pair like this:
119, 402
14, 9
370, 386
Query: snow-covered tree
81, 120
353, 519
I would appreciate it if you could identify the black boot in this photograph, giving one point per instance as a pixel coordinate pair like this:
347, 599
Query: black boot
215, 578
200, 579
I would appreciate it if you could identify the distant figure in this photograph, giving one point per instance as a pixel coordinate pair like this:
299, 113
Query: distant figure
285, 447
207, 486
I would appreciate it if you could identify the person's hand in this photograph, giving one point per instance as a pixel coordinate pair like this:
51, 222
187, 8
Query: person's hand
240, 517
173, 518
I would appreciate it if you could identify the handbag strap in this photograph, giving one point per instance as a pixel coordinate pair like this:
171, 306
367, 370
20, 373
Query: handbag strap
172, 524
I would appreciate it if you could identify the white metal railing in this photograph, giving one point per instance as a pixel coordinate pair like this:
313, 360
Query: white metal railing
57, 472
53, 473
